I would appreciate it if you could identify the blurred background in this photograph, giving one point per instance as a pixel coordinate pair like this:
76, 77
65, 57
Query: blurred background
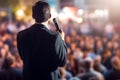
73, 9
92, 29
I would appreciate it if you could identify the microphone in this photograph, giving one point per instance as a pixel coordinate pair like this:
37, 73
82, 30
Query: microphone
56, 25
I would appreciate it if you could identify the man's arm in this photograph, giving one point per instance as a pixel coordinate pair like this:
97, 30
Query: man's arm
61, 49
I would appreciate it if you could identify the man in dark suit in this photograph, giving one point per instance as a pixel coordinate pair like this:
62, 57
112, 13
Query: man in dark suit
41, 50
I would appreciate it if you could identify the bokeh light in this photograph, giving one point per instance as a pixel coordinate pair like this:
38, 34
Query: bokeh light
20, 13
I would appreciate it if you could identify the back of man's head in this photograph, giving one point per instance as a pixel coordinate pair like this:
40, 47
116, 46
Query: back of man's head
88, 64
97, 59
41, 11
7, 63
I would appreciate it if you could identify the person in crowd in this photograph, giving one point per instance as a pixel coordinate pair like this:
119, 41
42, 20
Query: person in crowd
115, 47
106, 57
68, 40
117, 53
109, 46
65, 75
98, 66
91, 53
78, 54
9, 72
74, 78
72, 65
90, 73
18, 62
98, 47
114, 73
85, 53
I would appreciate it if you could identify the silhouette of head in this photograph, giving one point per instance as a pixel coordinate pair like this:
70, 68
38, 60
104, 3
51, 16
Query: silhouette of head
41, 11
115, 63
7, 63
88, 64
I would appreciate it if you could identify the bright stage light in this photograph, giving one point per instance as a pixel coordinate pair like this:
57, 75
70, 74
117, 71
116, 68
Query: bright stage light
20, 12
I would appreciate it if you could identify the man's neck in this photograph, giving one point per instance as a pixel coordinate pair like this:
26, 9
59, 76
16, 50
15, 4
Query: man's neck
44, 23
89, 69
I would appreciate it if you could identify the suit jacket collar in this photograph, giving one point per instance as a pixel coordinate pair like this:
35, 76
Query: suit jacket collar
42, 26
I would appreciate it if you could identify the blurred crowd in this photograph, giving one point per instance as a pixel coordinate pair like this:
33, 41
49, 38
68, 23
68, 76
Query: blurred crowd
93, 50
10, 61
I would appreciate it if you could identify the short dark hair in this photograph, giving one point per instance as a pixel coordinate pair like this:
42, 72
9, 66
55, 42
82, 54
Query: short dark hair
7, 63
41, 11
88, 63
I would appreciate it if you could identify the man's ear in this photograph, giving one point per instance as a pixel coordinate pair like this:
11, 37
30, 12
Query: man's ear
50, 16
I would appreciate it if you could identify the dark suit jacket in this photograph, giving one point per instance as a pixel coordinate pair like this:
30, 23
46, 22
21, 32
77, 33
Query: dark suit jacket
42, 52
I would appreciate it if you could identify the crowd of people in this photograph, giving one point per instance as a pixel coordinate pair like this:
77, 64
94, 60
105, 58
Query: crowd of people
93, 51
